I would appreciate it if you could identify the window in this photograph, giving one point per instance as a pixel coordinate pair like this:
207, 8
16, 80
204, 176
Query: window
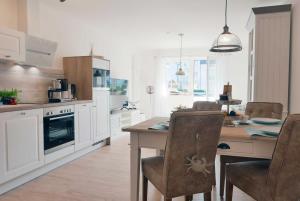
199, 80
177, 84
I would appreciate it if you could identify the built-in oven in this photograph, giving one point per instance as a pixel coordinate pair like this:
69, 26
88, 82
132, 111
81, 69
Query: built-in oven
58, 128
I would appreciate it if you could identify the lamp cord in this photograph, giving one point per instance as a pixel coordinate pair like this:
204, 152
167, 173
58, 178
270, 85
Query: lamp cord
180, 62
226, 13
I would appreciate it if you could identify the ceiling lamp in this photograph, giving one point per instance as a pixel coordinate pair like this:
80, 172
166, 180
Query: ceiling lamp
226, 41
180, 71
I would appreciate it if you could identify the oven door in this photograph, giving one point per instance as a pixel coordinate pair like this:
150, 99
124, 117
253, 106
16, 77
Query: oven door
58, 132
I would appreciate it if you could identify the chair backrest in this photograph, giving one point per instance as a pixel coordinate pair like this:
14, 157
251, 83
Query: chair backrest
264, 109
206, 106
190, 152
284, 172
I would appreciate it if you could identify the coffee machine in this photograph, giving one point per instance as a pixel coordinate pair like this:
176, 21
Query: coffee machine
61, 91
55, 92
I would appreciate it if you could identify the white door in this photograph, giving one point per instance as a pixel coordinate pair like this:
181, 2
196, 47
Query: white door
21, 143
12, 45
83, 127
102, 103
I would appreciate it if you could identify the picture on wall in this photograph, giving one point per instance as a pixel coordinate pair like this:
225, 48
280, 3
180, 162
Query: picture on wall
118, 87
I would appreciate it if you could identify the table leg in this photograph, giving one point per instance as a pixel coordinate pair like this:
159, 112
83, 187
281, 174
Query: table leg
135, 158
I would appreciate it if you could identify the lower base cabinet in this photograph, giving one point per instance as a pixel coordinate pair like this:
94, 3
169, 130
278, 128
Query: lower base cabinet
101, 114
22, 137
121, 119
83, 126
21, 143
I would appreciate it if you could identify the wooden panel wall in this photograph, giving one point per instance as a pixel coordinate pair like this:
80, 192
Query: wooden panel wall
78, 70
33, 82
272, 53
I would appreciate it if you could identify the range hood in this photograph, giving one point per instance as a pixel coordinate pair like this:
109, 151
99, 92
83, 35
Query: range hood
39, 52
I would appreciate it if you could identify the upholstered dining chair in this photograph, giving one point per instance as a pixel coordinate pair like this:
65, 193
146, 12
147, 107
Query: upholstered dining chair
253, 109
276, 180
188, 164
206, 106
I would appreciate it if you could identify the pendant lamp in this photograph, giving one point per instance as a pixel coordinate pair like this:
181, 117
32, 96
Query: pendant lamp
180, 71
226, 41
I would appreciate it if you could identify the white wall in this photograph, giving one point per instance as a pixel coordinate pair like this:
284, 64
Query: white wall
295, 74
75, 37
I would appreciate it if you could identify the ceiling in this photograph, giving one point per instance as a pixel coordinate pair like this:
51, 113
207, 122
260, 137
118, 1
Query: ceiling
155, 23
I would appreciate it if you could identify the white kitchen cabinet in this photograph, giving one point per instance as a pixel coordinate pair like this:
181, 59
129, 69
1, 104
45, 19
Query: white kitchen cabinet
121, 119
96, 136
269, 55
101, 99
21, 143
12, 45
83, 126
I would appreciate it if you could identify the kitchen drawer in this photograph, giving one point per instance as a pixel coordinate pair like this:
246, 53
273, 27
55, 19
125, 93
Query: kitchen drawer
235, 147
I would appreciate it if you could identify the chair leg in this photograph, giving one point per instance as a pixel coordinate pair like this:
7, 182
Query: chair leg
145, 188
222, 176
188, 198
229, 190
207, 196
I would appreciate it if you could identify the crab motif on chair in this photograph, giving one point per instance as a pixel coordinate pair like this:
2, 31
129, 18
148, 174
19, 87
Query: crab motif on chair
198, 165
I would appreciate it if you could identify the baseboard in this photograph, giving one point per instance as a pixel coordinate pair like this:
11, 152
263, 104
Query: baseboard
10, 185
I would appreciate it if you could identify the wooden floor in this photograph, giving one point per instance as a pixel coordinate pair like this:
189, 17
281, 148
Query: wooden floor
102, 175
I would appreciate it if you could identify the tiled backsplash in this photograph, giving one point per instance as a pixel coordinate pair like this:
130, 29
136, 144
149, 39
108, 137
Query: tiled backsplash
32, 81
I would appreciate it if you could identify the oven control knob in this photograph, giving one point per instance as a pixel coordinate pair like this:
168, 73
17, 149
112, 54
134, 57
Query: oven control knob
48, 113
61, 111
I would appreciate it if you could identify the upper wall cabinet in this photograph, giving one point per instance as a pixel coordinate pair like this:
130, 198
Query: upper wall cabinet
87, 72
269, 54
12, 45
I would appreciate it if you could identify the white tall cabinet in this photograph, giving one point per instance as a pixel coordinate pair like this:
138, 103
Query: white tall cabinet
81, 71
21, 143
101, 113
269, 54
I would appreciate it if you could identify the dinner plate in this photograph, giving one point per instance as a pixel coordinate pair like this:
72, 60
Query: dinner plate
270, 130
266, 120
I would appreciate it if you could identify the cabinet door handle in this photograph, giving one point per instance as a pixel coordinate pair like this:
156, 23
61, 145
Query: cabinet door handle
23, 113
83, 105
7, 56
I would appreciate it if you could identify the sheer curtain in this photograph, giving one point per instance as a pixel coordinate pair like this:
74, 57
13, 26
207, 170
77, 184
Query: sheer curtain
164, 102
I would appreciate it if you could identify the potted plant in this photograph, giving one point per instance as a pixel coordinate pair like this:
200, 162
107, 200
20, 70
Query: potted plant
9, 97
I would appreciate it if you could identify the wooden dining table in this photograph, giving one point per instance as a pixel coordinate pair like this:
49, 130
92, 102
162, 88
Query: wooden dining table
235, 141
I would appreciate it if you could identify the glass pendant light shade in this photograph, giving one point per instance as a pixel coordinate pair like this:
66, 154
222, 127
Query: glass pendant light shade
227, 41
180, 71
